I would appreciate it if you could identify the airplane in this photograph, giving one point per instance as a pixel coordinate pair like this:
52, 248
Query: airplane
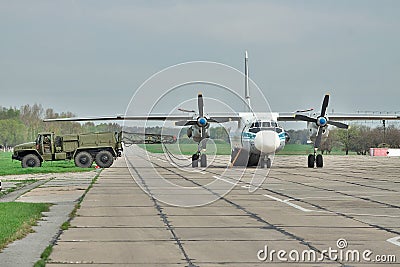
260, 138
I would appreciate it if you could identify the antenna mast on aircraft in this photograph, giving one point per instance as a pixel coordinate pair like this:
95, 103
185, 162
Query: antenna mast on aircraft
246, 82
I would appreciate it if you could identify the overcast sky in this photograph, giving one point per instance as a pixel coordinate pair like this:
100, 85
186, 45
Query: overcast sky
90, 56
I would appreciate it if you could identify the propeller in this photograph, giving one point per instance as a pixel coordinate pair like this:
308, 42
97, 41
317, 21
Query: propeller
321, 121
201, 121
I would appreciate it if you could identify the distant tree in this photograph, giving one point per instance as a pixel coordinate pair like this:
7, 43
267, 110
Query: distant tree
9, 113
11, 132
298, 136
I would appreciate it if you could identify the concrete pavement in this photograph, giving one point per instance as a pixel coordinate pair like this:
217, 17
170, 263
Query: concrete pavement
63, 190
351, 206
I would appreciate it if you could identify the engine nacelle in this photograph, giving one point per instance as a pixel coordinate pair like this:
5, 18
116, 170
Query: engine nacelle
196, 133
267, 142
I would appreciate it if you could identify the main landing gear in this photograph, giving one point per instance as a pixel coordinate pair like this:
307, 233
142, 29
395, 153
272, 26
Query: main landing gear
199, 157
314, 159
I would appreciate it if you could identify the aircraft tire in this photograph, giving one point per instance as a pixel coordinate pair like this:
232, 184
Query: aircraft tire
104, 159
30, 161
319, 161
83, 159
311, 161
195, 161
268, 162
203, 160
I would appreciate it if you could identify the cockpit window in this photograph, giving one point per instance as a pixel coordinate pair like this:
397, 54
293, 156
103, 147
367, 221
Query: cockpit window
254, 130
266, 124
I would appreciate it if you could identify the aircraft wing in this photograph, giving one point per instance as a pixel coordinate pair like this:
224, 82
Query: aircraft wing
286, 117
363, 117
152, 117
344, 117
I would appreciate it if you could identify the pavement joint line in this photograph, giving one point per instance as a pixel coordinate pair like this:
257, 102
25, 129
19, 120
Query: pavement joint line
250, 214
324, 209
12, 196
72, 215
345, 215
164, 217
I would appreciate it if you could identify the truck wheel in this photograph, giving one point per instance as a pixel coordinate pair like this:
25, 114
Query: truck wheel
104, 159
30, 161
83, 159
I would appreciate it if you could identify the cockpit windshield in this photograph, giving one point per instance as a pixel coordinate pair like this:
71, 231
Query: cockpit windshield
257, 126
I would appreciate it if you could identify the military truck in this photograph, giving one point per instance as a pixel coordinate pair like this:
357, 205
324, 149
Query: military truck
102, 148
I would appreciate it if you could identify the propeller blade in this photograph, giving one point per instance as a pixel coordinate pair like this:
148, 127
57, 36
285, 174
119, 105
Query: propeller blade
304, 118
185, 123
318, 138
304, 110
339, 124
200, 105
185, 110
324, 105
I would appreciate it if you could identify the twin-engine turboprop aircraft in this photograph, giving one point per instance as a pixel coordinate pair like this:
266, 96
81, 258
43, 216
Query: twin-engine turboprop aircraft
258, 135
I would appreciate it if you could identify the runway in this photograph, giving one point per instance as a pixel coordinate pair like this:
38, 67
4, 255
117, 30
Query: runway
346, 214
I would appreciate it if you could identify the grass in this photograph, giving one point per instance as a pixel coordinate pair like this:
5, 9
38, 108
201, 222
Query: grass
13, 167
298, 149
188, 149
17, 219
44, 256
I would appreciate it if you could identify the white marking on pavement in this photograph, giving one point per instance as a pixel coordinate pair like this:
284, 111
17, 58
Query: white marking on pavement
219, 178
288, 203
394, 240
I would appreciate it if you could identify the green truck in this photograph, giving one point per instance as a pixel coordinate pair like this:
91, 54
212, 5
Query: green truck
102, 148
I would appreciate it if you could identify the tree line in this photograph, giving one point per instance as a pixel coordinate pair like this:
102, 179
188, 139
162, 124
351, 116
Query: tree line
23, 124
358, 138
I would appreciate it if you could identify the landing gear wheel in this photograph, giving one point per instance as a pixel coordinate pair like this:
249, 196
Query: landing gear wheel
319, 161
30, 161
311, 161
83, 159
268, 162
195, 161
104, 159
203, 160
262, 163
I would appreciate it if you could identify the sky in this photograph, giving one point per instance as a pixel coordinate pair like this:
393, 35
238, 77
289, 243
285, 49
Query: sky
89, 57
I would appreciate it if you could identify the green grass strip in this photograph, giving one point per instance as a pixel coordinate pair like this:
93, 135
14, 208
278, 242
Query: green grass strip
13, 167
17, 219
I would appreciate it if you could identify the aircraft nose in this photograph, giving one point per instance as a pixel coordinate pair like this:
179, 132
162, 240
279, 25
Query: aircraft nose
267, 141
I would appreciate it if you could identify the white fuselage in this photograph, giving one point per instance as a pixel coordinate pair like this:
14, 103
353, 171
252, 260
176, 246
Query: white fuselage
260, 134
